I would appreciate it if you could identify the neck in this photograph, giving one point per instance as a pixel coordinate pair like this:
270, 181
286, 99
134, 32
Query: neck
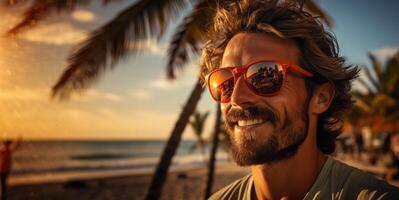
290, 178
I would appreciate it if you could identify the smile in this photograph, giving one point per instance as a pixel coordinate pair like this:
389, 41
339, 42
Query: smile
242, 123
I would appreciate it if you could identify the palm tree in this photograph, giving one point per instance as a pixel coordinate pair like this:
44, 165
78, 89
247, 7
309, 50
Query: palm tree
197, 124
224, 137
142, 20
126, 31
170, 148
378, 108
212, 157
380, 105
104, 47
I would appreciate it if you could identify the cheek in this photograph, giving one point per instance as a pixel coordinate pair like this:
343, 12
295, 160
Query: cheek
292, 96
287, 109
279, 105
296, 102
296, 90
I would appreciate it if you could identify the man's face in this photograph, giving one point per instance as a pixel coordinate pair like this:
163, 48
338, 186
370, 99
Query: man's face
264, 129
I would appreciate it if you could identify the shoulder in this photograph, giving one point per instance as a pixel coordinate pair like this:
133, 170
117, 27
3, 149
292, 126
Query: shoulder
354, 183
236, 190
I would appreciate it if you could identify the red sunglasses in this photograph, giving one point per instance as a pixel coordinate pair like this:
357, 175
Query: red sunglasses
264, 78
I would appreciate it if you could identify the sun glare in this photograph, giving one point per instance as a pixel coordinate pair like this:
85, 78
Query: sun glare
214, 85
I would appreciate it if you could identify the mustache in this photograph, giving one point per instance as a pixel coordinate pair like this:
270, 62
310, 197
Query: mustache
236, 114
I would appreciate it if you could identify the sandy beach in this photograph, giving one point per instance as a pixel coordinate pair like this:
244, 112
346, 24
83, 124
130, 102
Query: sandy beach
181, 184
184, 184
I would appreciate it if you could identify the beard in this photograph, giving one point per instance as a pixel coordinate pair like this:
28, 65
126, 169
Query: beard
282, 143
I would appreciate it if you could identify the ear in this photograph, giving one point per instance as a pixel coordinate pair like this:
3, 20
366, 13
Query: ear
322, 97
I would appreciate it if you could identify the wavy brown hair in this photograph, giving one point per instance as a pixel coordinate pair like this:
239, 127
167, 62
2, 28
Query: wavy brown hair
319, 52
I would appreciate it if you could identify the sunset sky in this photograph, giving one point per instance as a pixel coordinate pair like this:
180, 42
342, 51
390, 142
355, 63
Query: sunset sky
135, 100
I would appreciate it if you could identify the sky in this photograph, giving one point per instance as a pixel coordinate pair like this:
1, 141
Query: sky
134, 100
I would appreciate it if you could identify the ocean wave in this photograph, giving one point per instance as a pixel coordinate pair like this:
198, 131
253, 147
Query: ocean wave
102, 156
56, 158
90, 163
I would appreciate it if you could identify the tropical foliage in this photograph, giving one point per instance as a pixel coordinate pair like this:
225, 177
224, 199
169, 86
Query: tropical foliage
379, 106
197, 124
141, 21
212, 157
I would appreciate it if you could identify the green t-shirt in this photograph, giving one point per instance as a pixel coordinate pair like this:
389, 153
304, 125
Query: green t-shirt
336, 181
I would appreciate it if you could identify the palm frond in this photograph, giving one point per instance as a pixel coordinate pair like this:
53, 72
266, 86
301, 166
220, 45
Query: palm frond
381, 103
197, 122
395, 92
32, 15
377, 70
41, 9
366, 85
362, 105
189, 35
375, 83
391, 74
105, 46
381, 107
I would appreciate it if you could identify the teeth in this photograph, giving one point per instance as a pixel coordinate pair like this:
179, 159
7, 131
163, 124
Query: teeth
249, 122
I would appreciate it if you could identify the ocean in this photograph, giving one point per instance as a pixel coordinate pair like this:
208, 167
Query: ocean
46, 161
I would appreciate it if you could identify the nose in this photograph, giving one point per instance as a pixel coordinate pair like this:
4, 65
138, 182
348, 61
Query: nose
242, 95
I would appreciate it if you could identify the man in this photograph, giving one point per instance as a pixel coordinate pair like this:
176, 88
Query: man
5, 163
283, 123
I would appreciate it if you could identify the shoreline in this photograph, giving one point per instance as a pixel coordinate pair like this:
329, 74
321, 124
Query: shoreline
180, 184
45, 178
179, 165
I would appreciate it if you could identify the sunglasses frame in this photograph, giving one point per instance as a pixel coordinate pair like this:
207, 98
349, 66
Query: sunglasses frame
243, 70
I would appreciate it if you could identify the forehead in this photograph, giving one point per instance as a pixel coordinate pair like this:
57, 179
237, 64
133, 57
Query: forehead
245, 48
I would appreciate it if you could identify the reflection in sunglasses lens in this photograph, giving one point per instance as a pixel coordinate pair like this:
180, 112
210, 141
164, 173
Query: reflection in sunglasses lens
221, 84
265, 77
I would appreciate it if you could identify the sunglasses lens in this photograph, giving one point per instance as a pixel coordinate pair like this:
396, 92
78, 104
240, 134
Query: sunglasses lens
265, 77
221, 85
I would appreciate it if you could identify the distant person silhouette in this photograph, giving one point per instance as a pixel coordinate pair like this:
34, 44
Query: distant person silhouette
6, 151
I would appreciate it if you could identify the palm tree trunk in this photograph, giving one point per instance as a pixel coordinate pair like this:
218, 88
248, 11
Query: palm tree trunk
159, 177
212, 158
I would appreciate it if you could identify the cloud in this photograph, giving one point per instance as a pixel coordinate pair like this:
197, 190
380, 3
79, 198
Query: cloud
37, 94
152, 46
111, 97
141, 94
83, 15
185, 78
93, 95
73, 114
386, 52
55, 34
163, 84
43, 94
